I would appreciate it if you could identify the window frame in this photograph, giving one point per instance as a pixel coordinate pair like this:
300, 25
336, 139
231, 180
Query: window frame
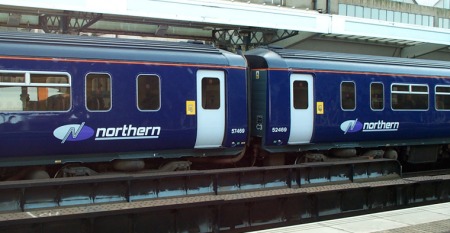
410, 91
341, 96
159, 93
301, 94
383, 98
205, 96
436, 93
86, 93
27, 83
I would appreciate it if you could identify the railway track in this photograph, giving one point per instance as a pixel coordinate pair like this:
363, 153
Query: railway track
232, 200
426, 173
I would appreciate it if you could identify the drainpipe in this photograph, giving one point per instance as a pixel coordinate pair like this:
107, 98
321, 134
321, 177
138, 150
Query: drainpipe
328, 6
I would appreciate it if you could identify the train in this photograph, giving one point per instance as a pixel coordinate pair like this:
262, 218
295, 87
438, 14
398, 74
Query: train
345, 105
79, 105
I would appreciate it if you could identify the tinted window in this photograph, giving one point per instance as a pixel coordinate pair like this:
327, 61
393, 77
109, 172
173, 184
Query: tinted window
300, 95
376, 96
348, 98
148, 92
210, 93
409, 97
442, 97
98, 92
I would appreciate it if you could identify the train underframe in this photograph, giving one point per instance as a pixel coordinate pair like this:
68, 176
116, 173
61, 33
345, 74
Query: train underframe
417, 156
429, 155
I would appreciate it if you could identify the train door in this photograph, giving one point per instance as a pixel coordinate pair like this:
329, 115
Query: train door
302, 108
210, 108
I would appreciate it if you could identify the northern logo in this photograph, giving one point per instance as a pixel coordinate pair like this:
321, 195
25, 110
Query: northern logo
353, 126
73, 132
79, 132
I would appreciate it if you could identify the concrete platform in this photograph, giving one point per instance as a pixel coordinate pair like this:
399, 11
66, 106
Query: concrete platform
424, 219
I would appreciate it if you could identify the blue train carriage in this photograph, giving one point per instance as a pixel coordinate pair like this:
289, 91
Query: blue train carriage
66, 99
327, 105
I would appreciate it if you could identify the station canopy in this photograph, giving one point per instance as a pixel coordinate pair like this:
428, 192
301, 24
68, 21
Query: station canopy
231, 25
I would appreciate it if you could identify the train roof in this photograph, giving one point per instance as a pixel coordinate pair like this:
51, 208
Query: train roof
302, 59
87, 47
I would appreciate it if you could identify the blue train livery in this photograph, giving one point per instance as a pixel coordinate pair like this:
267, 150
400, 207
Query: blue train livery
120, 103
316, 101
80, 99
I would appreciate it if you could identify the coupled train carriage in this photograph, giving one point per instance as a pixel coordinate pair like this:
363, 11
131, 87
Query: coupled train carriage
339, 105
66, 100
98, 104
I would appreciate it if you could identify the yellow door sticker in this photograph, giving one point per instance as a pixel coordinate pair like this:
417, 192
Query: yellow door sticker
320, 109
190, 107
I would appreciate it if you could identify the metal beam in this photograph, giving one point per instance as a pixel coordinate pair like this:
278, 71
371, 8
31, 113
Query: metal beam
249, 38
420, 50
293, 40
70, 22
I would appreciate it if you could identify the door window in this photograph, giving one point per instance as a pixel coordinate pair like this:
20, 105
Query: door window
300, 96
210, 93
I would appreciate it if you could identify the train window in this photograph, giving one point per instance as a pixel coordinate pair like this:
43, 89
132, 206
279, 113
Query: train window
400, 88
34, 91
12, 99
423, 89
148, 92
210, 93
409, 97
300, 96
442, 98
98, 92
44, 78
377, 96
12, 78
348, 97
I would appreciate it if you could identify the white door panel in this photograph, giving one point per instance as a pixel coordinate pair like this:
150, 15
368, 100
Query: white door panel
302, 108
210, 108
